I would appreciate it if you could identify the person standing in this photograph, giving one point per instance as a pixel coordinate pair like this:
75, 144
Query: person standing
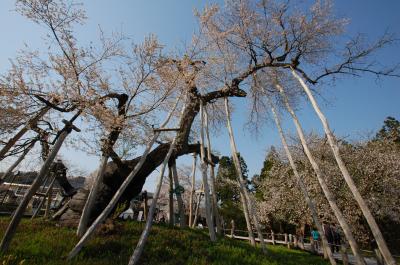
329, 235
315, 235
336, 237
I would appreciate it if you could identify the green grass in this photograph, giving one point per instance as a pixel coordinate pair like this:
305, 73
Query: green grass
42, 242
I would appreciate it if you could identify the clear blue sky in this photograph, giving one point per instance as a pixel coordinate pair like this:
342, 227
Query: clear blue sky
355, 106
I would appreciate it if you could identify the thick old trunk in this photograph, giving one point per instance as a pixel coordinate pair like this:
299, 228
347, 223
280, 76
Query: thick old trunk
116, 173
113, 178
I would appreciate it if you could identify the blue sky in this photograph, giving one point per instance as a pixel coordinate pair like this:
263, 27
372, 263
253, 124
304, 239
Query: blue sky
356, 106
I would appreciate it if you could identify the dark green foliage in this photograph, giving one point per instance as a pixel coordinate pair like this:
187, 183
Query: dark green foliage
41, 242
270, 160
390, 130
228, 191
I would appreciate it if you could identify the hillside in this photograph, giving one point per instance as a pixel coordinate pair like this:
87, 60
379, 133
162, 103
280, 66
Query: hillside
42, 242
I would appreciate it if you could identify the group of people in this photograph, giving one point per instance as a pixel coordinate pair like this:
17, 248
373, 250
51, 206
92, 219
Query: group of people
332, 234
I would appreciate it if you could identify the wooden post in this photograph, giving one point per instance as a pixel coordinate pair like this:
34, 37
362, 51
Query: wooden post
196, 211
49, 198
17, 216
313, 248
192, 190
171, 198
145, 206
301, 242
289, 243
345, 257
232, 228
181, 206
379, 258
286, 238
273, 237
91, 200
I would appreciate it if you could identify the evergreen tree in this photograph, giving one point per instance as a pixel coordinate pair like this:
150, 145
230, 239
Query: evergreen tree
228, 191
390, 131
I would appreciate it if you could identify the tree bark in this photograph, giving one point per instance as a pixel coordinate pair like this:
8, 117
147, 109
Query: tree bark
347, 177
328, 194
301, 184
246, 197
210, 222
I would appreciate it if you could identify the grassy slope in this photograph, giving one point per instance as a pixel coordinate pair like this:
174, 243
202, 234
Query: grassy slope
42, 242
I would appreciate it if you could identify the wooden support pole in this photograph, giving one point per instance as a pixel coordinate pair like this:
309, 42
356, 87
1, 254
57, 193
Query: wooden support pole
347, 177
49, 199
318, 172
17, 162
196, 212
181, 206
192, 189
171, 198
12, 167
300, 182
207, 199
215, 212
345, 257
273, 237
91, 200
232, 228
30, 123
17, 216
167, 130
134, 259
247, 201
145, 205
